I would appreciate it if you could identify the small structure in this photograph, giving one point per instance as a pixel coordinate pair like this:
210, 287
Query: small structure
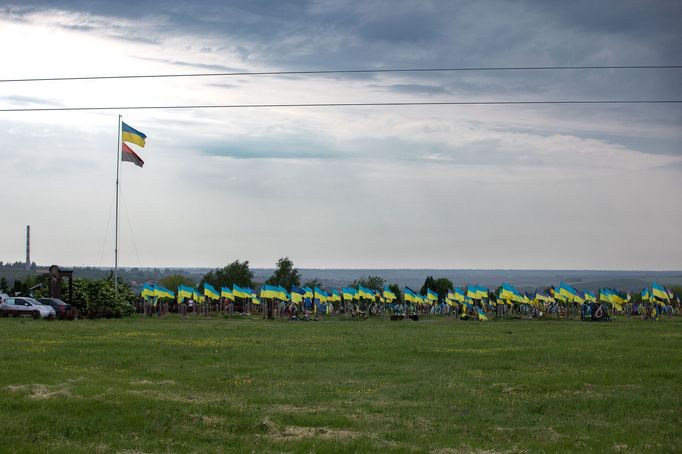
55, 282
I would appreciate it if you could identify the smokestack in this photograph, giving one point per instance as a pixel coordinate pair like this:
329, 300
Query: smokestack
28, 248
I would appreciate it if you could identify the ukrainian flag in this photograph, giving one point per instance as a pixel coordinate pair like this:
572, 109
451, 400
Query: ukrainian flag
389, 296
471, 292
481, 314
645, 294
226, 292
320, 295
365, 292
269, 292
239, 292
282, 293
459, 295
431, 295
297, 294
148, 291
211, 292
132, 135
335, 296
410, 296
184, 292
659, 292
163, 292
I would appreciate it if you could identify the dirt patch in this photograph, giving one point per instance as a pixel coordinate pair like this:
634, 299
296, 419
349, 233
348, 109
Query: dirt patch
38, 391
198, 399
296, 432
296, 409
149, 382
210, 421
469, 450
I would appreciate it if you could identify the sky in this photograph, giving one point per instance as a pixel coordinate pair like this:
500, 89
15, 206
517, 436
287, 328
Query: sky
485, 187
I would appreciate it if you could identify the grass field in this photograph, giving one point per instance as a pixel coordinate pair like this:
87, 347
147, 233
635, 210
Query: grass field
212, 385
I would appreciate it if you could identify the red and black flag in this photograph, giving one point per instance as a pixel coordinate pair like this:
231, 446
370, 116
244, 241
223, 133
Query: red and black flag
127, 154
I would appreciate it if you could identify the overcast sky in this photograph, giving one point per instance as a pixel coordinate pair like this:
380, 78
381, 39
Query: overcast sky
554, 186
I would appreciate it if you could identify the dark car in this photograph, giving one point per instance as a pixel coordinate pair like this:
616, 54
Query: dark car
64, 311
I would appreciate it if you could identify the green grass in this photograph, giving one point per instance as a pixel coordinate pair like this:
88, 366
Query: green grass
213, 385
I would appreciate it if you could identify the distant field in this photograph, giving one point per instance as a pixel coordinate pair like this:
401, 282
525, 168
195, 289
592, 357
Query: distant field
215, 385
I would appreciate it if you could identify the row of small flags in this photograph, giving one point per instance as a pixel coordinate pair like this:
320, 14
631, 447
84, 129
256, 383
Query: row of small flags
505, 294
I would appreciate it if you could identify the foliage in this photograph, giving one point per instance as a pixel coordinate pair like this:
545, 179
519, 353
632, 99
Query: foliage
173, 281
371, 282
4, 286
285, 274
98, 297
24, 287
235, 273
395, 288
440, 286
312, 283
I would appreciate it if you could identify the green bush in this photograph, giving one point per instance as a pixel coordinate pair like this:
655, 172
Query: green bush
98, 298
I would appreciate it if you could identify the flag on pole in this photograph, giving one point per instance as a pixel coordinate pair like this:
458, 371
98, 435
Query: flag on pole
128, 155
132, 135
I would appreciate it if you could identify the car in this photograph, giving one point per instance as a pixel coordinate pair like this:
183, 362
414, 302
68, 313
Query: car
64, 311
18, 306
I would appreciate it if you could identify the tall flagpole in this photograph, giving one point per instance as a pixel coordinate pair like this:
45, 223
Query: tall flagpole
118, 166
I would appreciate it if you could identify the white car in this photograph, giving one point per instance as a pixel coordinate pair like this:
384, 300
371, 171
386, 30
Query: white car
17, 306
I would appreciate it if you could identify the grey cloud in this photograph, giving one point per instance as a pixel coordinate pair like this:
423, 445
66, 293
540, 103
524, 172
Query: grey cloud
28, 101
306, 147
212, 67
413, 88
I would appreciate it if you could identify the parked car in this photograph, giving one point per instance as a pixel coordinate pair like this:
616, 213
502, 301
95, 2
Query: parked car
64, 311
17, 306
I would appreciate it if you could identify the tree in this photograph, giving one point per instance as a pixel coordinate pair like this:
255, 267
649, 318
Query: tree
396, 289
173, 281
4, 287
440, 286
235, 273
18, 288
315, 282
98, 297
285, 274
428, 284
372, 283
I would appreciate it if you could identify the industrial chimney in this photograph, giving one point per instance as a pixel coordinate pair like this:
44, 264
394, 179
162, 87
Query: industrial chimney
28, 248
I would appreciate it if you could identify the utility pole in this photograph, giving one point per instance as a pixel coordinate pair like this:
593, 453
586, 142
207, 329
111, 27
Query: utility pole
28, 248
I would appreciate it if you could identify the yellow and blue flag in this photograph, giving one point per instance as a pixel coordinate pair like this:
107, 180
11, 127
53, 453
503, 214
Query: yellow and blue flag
410, 296
226, 292
132, 135
148, 291
658, 291
210, 292
389, 295
297, 294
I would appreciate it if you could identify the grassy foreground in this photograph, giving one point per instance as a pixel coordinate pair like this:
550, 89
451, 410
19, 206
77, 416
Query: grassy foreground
213, 385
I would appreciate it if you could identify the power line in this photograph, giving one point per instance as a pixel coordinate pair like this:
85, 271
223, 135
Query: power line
342, 71
344, 104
